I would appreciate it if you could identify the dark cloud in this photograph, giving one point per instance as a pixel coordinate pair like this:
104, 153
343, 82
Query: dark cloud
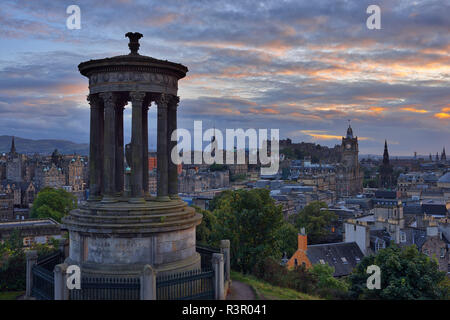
302, 66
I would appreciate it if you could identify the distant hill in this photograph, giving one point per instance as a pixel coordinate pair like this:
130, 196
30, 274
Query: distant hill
45, 146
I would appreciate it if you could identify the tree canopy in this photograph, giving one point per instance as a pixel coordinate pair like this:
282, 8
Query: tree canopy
405, 274
316, 220
251, 220
53, 203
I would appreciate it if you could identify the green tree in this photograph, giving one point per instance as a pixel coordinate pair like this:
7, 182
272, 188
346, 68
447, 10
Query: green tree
406, 274
250, 219
53, 203
287, 235
327, 285
316, 221
206, 231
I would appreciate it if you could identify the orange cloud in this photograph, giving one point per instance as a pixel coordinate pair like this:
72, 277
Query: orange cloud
442, 115
409, 109
264, 110
322, 135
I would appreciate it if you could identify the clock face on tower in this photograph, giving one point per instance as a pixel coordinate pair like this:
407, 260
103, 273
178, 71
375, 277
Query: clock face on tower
348, 146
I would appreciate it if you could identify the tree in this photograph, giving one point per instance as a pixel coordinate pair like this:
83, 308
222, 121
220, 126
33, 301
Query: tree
53, 203
287, 235
405, 274
250, 219
206, 231
327, 285
316, 222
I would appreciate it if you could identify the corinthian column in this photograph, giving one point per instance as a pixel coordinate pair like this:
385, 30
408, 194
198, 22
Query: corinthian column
119, 148
145, 150
171, 127
162, 149
137, 102
95, 148
109, 159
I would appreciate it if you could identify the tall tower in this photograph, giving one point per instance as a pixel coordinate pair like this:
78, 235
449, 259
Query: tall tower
350, 178
443, 156
350, 149
13, 147
386, 170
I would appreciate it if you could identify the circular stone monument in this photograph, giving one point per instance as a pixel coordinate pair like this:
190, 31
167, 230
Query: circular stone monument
118, 231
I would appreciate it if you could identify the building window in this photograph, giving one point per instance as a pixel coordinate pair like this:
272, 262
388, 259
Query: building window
344, 260
321, 261
296, 262
402, 237
442, 252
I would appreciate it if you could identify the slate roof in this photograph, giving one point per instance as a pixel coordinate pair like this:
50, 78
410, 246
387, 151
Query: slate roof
414, 236
332, 253
445, 178
386, 194
412, 209
434, 209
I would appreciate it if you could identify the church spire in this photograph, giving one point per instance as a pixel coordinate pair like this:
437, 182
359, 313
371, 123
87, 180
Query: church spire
385, 154
443, 156
13, 146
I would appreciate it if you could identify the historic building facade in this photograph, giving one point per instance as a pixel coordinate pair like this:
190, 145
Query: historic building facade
349, 176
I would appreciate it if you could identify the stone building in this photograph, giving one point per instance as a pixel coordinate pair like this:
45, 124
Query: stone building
6, 206
32, 231
435, 247
349, 176
49, 176
75, 174
14, 165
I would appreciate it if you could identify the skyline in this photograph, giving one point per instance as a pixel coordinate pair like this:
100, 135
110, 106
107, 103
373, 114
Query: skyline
305, 68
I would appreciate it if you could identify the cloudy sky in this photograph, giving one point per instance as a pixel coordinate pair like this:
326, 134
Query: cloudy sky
305, 67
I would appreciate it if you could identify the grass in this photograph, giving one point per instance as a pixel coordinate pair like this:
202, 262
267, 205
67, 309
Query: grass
10, 295
264, 290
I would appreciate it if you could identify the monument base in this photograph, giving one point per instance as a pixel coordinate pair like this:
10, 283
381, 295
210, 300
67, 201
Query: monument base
120, 238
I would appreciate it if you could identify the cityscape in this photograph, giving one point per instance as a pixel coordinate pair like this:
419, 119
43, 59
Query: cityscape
110, 191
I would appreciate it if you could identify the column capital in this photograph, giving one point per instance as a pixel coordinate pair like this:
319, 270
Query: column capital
137, 96
93, 100
163, 100
109, 99
174, 101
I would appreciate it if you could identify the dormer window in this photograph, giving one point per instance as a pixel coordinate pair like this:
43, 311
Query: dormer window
344, 260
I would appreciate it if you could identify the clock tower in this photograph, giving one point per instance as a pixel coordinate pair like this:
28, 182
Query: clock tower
350, 150
350, 175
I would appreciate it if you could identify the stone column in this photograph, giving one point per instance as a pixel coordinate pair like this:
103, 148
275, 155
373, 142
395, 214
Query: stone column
110, 152
96, 148
137, 102
60, 274
162, 160
148, 283
225, 250
219, 285
173, 168
31, 257
120, 149
145, 149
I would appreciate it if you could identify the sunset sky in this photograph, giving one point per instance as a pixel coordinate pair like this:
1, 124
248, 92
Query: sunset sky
305, 67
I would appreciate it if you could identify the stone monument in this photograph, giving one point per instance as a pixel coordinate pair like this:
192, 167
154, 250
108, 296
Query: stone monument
117, 232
